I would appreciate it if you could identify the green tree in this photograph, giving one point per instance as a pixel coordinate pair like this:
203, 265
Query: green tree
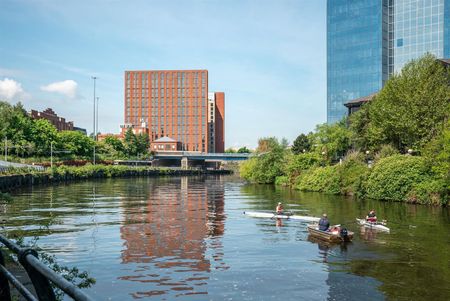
243, 150
331, 140
43, 133
269, 162
301, 144
130, 143
142, 144
115, 143
410, 110
230, 151
77, 143
15, 125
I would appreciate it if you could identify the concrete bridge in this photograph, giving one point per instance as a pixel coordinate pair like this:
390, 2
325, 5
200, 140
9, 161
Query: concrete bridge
196, 159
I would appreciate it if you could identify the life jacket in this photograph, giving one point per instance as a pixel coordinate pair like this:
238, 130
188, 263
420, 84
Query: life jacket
371, 217
279, 209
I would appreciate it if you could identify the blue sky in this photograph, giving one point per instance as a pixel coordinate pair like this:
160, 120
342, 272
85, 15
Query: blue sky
269, 57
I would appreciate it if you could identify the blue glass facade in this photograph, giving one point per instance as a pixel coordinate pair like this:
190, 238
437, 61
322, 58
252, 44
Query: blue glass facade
418, 29
447, 28
367, 40
354, 52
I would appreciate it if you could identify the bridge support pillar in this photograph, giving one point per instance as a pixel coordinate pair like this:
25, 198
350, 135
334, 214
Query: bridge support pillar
184, 163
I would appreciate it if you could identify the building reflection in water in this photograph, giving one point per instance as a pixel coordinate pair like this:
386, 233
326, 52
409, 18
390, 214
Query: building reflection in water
174, 237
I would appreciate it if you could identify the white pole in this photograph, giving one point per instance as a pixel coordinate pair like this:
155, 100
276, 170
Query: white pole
96, 122
51, 154
93, 125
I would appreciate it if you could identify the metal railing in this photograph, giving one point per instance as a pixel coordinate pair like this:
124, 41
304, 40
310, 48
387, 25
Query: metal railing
5, 165
39, 274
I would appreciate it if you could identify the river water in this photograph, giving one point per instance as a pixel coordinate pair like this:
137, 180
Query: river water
188, 239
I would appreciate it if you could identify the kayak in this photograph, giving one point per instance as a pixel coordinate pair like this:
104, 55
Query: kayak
285, 216
371, 225
334, 235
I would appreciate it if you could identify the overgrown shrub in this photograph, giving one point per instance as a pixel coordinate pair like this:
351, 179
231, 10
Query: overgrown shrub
353, 174
282, 181
385, 151
295, 164
322, 179
430, 192
392, 178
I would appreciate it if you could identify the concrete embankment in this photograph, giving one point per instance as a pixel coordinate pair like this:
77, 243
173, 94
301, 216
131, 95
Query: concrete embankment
10, 182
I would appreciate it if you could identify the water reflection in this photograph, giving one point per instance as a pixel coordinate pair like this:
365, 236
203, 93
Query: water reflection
187, 239
165, 237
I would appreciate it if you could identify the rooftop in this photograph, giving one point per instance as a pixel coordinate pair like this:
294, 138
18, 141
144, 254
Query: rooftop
359, 101
165, 139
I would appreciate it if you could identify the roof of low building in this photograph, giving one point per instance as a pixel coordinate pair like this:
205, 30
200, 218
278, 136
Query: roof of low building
445, 61
359, 101
165, 139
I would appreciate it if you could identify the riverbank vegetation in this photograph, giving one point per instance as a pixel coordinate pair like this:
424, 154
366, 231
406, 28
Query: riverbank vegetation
396, 147
29, 140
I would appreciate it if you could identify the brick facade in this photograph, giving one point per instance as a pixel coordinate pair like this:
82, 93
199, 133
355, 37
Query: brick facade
59, 122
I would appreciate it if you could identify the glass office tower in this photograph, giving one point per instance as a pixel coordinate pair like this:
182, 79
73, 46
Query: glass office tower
367, 40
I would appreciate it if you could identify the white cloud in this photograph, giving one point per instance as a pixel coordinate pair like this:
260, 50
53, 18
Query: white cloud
66, 87
10, 89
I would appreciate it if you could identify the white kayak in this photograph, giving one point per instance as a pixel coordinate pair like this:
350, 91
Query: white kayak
274, 215
371, 225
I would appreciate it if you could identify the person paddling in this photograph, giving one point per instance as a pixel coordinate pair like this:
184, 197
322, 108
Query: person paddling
279, 210
371, 216
324, 224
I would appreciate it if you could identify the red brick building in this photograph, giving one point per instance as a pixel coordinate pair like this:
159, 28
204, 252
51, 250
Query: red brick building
59, 122
164, 144
174, 104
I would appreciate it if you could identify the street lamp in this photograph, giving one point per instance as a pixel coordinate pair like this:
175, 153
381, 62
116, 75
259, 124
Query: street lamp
96, 122
93, 125
51, 154
6, 148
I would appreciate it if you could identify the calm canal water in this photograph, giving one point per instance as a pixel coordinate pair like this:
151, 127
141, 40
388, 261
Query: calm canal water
187, 239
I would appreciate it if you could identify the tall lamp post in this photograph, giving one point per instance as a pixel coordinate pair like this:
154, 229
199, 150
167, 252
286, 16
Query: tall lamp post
51, 154
96, 121
93, 125
6, 148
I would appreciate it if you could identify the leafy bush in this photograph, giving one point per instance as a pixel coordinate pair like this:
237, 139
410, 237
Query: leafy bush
430, 192
385, 151
282, 181
268, 164
353, 174
322, 179
392, 178
295, 164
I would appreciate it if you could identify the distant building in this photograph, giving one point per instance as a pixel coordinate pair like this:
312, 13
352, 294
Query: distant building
175, 104
59, 122
165, 144
355, 104
216, 117
101, 137
369, 40
81, 130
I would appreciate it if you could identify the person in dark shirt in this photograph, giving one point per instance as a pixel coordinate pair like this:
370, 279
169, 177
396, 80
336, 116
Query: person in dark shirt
324, 224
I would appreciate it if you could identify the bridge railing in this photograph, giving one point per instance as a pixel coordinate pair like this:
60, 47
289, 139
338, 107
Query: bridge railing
39, 274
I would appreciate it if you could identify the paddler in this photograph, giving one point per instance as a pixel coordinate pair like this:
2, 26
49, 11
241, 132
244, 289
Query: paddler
279, 210
371, 216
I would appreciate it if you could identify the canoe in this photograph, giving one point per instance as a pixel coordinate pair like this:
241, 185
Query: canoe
285, 216
329, 236
377, 225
